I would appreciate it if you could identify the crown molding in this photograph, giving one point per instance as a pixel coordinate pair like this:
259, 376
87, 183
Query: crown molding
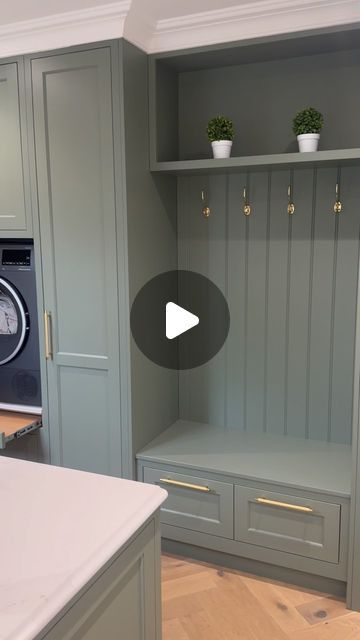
133, 20
253, 19
64, 29
139, 28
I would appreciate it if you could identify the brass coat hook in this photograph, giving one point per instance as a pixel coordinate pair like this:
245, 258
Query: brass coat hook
247, 206
337, 204
291, 206
206, 211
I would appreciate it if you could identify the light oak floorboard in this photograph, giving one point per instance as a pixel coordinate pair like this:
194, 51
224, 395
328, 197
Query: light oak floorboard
204, 602
174, 629
324, 608
179, 568
185, 585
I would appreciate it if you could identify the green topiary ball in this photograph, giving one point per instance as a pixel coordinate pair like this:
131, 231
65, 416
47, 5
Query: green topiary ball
308, 121
220, 128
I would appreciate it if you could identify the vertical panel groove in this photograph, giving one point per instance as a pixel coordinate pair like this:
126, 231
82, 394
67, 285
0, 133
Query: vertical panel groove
311, 274
246, 298
226, 268
184, 263
332, 324
268, 226
287, 320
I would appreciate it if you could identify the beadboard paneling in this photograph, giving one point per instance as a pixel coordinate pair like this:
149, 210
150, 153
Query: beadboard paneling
290, 281
202, 248
345, 287
300, 261
237, 258
276, 293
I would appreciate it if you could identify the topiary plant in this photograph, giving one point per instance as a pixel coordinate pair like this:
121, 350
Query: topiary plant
308, 121
220, 128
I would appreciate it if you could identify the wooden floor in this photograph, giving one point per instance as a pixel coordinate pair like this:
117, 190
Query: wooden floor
202, 602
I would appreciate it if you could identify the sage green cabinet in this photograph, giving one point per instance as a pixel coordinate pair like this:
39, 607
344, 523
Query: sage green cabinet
73, 133
101, 230
123, 601
15, 212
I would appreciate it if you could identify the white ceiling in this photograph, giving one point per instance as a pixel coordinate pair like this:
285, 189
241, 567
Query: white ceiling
159, 25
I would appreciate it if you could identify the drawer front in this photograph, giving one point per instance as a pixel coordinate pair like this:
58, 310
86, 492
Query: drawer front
195, 502
287, 523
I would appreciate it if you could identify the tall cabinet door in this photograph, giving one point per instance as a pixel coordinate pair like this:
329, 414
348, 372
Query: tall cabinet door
15, 215
75, 189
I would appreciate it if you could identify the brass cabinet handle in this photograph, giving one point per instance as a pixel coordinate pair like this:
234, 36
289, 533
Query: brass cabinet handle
48, 340
284, 505
185, 485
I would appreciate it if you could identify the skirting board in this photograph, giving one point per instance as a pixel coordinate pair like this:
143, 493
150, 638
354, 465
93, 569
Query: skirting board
247, 565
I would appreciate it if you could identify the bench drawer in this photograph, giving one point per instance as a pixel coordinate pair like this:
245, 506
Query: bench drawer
195, 502
309, 528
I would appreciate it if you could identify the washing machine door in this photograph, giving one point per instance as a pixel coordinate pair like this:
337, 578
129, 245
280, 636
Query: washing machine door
14, 322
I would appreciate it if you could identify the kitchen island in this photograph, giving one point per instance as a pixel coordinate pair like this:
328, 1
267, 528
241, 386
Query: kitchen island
80, 555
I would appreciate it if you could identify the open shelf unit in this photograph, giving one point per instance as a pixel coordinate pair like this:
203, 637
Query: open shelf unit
259, 458
337, 158
260, 85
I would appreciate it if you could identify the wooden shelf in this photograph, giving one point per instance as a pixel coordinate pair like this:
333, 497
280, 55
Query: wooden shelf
284, 460
336, 157
16, 425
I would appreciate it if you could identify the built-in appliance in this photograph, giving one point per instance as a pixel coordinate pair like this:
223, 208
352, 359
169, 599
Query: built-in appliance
19, 335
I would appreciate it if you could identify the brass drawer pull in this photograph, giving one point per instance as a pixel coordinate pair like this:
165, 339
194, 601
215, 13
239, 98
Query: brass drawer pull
284, 505
48, 337
185, 485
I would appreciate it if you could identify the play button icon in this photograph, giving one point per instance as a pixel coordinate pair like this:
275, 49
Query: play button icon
180, 319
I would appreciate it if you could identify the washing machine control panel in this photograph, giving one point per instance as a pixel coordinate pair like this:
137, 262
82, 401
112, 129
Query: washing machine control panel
16, 257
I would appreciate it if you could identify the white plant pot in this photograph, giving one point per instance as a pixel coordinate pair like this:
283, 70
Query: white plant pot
308, 141
221, 148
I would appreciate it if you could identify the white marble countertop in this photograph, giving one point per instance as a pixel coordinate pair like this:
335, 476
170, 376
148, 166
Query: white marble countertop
58, 528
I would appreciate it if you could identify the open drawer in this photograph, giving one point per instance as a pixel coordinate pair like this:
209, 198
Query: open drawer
16, 425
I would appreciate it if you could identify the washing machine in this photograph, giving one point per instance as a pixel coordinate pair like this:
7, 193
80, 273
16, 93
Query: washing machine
20, 387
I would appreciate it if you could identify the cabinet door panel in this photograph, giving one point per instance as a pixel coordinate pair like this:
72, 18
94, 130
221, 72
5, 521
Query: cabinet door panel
123, 602
310, 528
13, 213
206, 511
75, 176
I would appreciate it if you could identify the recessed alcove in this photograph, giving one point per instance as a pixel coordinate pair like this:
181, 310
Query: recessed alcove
260, 86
